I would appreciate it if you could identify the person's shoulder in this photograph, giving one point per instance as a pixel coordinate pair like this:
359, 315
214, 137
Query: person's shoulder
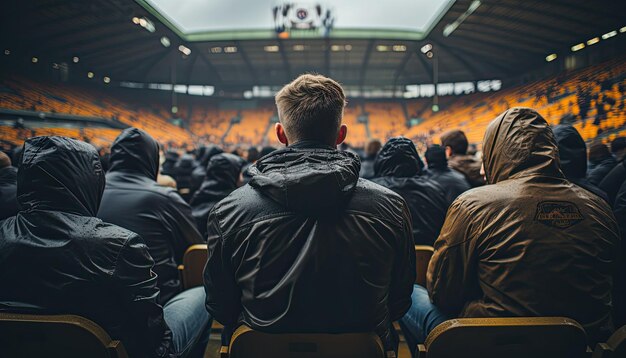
374, 197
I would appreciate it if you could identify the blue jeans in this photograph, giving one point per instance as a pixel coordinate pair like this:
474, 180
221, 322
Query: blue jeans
189, 322
421, 318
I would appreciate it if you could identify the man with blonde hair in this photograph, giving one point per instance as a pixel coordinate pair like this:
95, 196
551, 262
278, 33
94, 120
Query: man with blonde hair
307, 246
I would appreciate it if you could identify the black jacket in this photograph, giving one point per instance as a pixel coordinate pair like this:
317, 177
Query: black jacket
598, 170
397, 168
8, 192
573, 157
171, 158
133, 200
613, 181
453, 182
197, 175
57, 258
222, 174
307, 246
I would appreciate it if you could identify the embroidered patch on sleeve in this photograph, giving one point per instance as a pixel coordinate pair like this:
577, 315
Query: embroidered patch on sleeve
559, 214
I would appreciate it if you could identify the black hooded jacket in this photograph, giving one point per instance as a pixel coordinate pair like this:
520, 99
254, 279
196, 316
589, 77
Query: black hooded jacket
222, 174
453, 182
573, 156
133, 200
182, 174
57, 258
613, 181
600, 168
8, 192
198, 173
307, 246
397, 168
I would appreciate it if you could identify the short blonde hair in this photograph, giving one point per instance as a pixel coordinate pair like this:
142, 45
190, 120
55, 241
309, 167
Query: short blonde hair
311, 108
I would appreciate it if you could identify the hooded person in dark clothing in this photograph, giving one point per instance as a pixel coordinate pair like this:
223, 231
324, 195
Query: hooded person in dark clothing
57, 258
171, 158
182, 174
8, 187
573, 156
197, 176
367, 164
307, 246
453, 182
222, 176
397, 168
133, 200
601, 162
455, 144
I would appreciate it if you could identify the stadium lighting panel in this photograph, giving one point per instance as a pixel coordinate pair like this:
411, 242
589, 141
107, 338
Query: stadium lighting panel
185, 50
34, 60
426, 48
592, 41
7, 52
106, 79
75, 59
165, 41
609, 35
271, 48
578, 47
622, 30
298, 47
218, 20
89, 74
551, 57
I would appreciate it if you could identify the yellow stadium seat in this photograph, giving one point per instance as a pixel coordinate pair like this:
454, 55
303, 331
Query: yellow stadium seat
68, 336
554, 337
248, 343
614, 347
423, 253
192, 268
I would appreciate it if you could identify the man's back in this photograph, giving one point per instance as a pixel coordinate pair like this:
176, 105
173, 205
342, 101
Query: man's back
453, 182
307, 246
532, 244
133, 200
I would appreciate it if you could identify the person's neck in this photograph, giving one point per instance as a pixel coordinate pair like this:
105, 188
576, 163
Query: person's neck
311, 144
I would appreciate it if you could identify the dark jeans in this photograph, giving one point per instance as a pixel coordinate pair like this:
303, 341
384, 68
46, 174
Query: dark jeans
189, 322
421, 318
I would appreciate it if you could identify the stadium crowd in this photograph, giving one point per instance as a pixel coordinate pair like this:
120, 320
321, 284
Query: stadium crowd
313, 237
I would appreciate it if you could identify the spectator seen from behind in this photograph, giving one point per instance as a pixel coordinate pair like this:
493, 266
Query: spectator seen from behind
601, 162
452, 181
307, 246
133, 200
56, 257
367, 164
455, 144
529, 244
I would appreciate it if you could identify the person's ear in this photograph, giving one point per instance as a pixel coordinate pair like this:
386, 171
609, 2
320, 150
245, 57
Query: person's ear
280, 134
343, 132
448, 151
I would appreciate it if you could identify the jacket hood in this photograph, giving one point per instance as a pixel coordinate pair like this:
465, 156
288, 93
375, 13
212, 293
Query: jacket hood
519, 142
572, 151
307, 179
60, 174
135, 151
398, 158
222, 175
224, 168
208, 153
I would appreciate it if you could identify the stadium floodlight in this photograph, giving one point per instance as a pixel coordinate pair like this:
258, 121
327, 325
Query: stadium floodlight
578, 47
230, 49
297, 48
399, 48
75, 59
551, 57
592, 41
165, 41
382, 48
89, 74
185, 50
336, 48
609, 35
34, 60
7, 52
136, 20
348, 47
449, 28
429, 54
106, 79
271, 48
622, 29
426, 48
216, 49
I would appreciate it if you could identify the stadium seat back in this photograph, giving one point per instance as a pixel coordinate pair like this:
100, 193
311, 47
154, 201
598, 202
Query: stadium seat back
192, 269
248, 343
68, 336
506, 337
614, 347
423, 253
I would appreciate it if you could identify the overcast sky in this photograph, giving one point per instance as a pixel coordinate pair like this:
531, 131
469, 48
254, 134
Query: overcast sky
202, 15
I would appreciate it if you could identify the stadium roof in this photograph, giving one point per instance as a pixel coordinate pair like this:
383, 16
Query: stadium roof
113, 38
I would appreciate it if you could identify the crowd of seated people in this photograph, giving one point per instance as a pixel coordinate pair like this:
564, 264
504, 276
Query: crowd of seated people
300, 241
